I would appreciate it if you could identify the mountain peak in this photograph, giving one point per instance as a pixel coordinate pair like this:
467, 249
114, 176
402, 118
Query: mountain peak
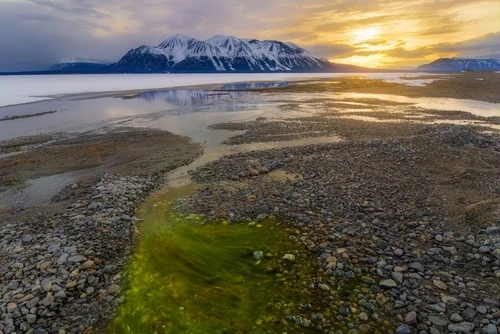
177, 39
219, 38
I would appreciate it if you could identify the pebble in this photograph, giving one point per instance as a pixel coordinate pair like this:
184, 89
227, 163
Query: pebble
438, 321
48, 300
449, 299
113, 289
489, 329
403, 329
289, 257
455, 317
388, 283
440, 284
411, 318
461, 327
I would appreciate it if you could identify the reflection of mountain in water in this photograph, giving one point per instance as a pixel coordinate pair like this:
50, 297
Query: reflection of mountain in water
225, 99
183, 97
254, 85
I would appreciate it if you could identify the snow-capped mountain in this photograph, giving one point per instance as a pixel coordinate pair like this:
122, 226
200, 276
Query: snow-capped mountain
182, 54
461, 64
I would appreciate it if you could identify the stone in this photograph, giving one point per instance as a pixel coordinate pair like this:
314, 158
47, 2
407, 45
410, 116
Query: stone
450, 249
382, 244
46, 284
438, 321
449, 300
455, 317
494, 230
113, 289
496, 253
388, 283
251, 198
45, 265
411, 318
461, 327
26, 298
76, 259
32, 303
324, 287
56, 288
11, 307
31, 318
261, 217
88, 264
53, 248
440, 284
48, 300
484, 249
417, 266
363, 316
398, 277
469, 313
398, 252
253, 172
436, 308
403, 329
481, 309
489, 329
258, 255
71, 284
62, 259
289, 257
60, 295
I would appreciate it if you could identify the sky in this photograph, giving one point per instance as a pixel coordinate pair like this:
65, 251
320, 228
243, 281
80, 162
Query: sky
35, 34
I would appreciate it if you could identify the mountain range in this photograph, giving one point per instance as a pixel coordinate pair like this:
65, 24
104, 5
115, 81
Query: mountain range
227, 54
219, 54
461, 64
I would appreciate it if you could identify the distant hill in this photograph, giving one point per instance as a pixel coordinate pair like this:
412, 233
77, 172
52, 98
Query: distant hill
219, 54
461, 64
79, 66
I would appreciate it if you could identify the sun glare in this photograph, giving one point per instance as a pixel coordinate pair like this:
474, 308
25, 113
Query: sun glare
365, 34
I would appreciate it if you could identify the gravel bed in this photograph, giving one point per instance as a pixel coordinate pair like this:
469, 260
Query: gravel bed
414, 218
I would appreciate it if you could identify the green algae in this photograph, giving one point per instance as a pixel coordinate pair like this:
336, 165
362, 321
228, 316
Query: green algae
192, 276
189, 276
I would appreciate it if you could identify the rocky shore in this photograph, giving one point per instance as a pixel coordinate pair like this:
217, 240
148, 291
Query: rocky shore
61, 266
402, 216
410, 218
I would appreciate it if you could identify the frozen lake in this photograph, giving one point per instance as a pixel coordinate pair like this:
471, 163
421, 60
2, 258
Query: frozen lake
17, 89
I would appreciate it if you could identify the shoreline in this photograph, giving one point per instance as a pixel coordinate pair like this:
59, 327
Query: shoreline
388, 203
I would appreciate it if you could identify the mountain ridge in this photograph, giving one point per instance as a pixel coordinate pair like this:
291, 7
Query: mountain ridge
458, 64
183, 54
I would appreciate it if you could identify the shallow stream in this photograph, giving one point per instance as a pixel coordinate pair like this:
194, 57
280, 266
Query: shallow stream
192, 276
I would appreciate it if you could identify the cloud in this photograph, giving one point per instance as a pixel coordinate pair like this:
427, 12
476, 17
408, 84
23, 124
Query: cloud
37, 33
487, 46
331, 50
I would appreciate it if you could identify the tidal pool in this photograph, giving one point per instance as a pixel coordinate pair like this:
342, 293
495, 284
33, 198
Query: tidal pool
191, 276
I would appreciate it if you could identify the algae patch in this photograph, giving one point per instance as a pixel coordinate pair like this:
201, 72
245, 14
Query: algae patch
189, 276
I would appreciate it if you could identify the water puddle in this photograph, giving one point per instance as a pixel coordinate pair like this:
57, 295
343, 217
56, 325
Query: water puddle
190, 276
478, 108
36, 192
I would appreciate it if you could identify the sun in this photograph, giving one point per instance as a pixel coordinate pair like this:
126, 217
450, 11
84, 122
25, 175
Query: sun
365, 34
